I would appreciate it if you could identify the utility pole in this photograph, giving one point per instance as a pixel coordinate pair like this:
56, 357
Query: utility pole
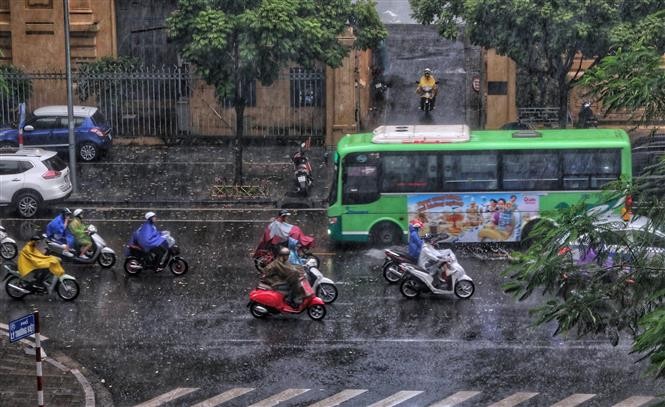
70, 102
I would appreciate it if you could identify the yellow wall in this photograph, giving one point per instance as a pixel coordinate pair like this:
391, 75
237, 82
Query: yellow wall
499, 109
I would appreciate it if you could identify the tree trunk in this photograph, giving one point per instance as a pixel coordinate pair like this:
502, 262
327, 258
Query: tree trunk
237, 143
563, 102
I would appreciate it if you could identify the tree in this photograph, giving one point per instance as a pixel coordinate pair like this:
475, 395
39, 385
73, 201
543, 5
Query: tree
232, 43
621, 290
544, 37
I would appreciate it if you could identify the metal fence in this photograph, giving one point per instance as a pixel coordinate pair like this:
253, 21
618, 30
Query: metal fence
173, 103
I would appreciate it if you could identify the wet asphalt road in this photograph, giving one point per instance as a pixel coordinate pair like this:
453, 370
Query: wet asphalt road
151, 334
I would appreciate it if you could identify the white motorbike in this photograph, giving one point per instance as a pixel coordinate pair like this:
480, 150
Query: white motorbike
324, 287
99, 252
437, 272
8, 248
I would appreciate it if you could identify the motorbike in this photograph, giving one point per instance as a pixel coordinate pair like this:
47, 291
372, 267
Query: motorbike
586, 118
441, 275
269, 246
8, 248
138, 260
18, 287
426, 96
396, 256
302, 171
99, 252
324, 287
263, 301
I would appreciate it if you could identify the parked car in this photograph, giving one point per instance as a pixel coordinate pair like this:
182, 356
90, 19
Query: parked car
48, 127
31, 177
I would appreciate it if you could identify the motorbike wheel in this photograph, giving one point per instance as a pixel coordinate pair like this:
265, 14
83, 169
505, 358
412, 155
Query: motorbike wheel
106, 260
8, 250
464, 289
178, 266
391, 272
410, 288
132, 266
327, 292
255, 312
316, 312
68, 290
15, 294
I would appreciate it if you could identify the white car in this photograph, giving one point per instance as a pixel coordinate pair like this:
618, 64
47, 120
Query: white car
29, 177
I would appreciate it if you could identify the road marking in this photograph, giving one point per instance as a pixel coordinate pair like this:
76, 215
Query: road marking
278, 398
395, 399
513, 400
167, 397
339, 398
457, 398
87, 388
573, 400
224, 397
634, 401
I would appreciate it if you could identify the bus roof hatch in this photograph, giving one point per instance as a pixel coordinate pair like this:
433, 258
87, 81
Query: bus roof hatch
421, 134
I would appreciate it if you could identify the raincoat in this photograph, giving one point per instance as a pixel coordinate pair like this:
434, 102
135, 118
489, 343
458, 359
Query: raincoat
31, 258
425, 82
148, 237
280, 272
77, 228
294, 257
415, 242
57, 231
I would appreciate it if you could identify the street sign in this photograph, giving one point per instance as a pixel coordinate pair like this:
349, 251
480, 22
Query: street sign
21, 327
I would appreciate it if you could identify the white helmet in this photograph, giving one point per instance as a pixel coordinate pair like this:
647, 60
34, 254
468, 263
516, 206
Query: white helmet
427, 70
149, 215
78, 212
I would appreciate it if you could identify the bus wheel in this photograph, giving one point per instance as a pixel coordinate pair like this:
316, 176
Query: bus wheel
386, 234
528, 232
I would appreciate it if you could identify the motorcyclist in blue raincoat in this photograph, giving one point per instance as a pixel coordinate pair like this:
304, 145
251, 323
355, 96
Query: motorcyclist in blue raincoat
58, 231
415, 241
151, 239
294, 255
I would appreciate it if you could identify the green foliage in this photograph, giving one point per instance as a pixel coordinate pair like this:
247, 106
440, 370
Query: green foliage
543, 36
14, 83
614, 293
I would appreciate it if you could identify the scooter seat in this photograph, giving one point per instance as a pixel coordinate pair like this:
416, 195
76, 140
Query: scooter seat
405, 254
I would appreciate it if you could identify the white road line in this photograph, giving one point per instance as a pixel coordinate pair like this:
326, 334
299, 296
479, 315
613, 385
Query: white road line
278, 398
224, 397
513, 400
455, 399
634, 401
339, 398
167, 397
396, 398
573, 400
87, 388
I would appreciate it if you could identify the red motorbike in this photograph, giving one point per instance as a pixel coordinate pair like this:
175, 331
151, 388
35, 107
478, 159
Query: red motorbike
263, 300
271, 242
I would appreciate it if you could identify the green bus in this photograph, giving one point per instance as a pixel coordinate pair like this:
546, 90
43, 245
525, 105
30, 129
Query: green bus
470, 186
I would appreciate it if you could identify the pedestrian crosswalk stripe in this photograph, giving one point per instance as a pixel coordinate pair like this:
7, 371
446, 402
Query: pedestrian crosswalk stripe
339, 398
634, 401
455, 399
513, 400
278, 398
573, 400
224, 397
396, 398
167, 397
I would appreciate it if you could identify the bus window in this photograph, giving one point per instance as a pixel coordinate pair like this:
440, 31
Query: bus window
360, 184
409, 172
530, 171
470, 172
590, 169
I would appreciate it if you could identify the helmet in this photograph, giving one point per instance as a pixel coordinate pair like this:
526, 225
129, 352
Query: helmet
67, 212
78, 212
149, 215
428, 71
284, 251
38, 236
284, 212
417, 223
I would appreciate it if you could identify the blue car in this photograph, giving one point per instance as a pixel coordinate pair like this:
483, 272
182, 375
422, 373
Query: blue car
47, 127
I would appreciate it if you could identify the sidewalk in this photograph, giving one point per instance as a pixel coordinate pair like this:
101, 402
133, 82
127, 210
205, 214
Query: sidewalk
154, 173
18, 382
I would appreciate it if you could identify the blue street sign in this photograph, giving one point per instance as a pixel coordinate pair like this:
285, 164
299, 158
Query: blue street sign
21, 327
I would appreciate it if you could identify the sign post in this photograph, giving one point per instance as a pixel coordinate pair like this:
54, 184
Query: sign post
21, 123
23, 327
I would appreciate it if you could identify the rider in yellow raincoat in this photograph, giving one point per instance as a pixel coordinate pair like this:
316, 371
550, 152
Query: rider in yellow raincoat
32, 258
427, 81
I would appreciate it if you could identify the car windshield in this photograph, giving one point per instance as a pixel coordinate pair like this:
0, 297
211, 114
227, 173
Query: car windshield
55, 163
99, 119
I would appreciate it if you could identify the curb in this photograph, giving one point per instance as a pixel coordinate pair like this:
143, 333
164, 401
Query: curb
95, 392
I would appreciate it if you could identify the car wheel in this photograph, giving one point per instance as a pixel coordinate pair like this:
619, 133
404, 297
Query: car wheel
88, 151
27, 204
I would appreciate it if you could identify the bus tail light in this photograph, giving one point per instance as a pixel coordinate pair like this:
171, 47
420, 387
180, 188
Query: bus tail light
627, 210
